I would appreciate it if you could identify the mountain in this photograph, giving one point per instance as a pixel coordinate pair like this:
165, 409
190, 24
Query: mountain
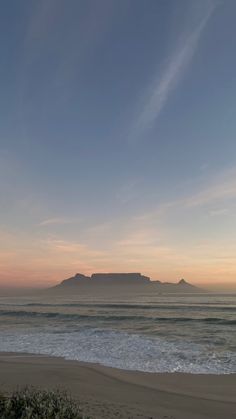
74, 281
121, 282
180, 287
120, 278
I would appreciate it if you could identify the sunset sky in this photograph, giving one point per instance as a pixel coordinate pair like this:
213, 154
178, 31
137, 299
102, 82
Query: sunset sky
117, 140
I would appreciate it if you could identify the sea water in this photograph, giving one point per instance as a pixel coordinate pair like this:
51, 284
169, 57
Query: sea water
154, 333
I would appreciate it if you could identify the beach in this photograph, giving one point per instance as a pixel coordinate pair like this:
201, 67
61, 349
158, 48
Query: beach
109, 393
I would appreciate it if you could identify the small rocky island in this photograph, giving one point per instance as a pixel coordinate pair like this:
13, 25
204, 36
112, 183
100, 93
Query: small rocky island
121, 282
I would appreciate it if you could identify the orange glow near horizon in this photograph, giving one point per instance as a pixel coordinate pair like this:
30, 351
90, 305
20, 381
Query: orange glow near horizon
178, 239
45, 263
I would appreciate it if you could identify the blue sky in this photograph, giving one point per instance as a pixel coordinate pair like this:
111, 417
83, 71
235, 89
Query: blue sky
117, 139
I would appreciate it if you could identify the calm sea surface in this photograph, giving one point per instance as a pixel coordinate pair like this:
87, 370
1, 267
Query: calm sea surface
188, 333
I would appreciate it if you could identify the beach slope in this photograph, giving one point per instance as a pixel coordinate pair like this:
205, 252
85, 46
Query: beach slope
111, 393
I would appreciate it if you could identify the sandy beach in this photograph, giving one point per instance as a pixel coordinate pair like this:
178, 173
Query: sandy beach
111, 393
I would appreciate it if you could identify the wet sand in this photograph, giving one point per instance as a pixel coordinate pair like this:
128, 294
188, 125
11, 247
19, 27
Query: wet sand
107, 393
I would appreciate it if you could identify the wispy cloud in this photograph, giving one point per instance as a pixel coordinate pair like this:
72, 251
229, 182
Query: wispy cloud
159, 90
222, 188
128, 191
219, 190
219, 212
65, 246
58, 220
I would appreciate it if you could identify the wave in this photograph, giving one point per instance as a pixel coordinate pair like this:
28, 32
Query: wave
172, 307
123, 350
108, 318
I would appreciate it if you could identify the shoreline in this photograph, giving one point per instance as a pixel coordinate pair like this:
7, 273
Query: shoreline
106, 392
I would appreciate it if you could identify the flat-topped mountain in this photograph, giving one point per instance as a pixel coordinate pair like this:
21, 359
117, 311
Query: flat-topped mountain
123, 278
133, 282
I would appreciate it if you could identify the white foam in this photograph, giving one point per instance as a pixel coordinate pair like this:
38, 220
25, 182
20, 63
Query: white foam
122, 350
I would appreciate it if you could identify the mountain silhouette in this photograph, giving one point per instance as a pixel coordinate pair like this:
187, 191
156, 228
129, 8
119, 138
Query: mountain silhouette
121, 282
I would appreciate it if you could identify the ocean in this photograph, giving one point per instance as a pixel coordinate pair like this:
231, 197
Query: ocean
154, 333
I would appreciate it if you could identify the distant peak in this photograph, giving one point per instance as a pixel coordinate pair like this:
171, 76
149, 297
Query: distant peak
77, 275
182, 282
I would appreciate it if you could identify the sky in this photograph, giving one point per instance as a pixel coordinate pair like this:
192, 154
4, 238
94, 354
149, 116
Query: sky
117, 140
